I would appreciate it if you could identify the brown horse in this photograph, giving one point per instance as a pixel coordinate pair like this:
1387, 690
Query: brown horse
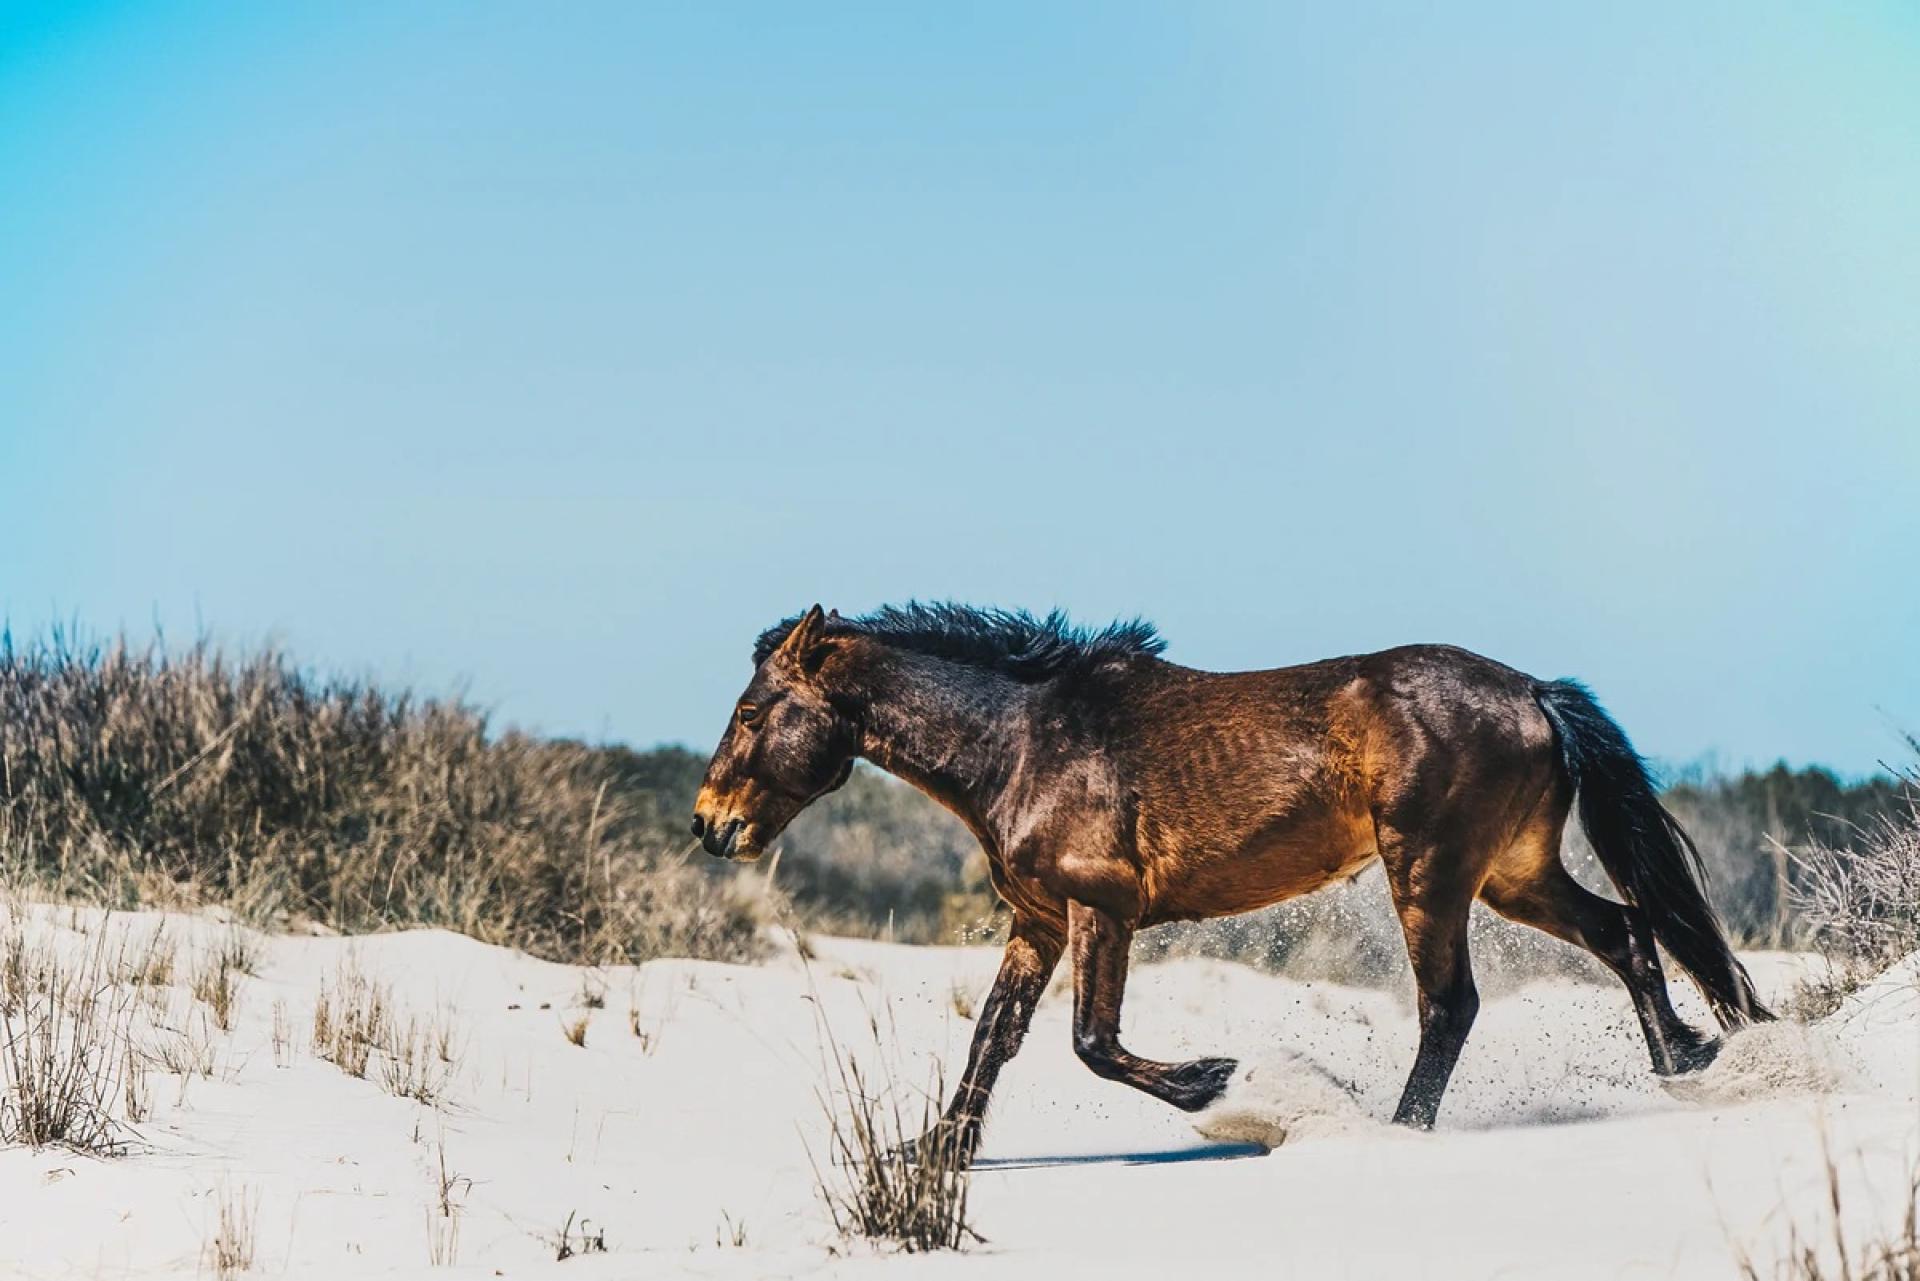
1113, 790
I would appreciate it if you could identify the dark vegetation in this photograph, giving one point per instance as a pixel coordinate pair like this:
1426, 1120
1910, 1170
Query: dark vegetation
1752, 828
1859, 904
134, 776
137, 775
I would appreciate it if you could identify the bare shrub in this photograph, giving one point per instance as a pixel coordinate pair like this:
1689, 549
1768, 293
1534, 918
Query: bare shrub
229, 1251
1747, 825
69, 1050
1861, 905
894, 1174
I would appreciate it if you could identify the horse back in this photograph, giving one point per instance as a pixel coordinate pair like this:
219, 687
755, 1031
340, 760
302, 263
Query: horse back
1253, 787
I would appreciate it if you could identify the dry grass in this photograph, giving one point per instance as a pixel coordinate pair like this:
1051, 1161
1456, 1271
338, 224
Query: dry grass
443, 1217
649, 1037
350, 1018
282, 1035
240, 951
216, 983
136, 776
136, 1101
71, 1070
153, 966
1860, 906
418, 1061
647, 1030
230, 1250
575, 1030
1826, 1254
587, 1239
357, 1027
188, 1050
878, 1183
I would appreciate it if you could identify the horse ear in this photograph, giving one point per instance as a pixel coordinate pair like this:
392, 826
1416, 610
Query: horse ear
807, 643
807, 630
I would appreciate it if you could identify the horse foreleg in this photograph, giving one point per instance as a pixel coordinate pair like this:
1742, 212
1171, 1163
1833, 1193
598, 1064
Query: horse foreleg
1100, 943
1033, 951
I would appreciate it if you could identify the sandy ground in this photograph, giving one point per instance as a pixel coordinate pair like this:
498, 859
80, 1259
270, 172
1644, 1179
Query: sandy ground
1557, 1153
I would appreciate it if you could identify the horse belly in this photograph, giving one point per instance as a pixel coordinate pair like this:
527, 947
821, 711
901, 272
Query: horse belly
1282, 859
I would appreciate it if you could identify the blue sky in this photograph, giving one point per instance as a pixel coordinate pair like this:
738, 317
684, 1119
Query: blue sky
557, 349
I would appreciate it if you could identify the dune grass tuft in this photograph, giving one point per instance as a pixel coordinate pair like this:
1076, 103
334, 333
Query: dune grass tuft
882, 1180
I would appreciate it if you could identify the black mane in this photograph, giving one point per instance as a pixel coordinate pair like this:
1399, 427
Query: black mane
1009, 641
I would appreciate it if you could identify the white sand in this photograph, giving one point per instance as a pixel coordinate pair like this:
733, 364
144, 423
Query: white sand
1558, 1154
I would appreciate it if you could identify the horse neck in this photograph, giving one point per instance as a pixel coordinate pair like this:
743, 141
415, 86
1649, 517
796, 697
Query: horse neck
942, 726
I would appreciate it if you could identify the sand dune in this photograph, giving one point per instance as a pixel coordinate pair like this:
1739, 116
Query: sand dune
1558, 1154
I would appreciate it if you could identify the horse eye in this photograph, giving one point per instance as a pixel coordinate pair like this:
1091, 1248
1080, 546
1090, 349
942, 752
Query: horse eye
749, 713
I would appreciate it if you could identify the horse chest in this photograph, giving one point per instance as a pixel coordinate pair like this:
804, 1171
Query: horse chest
1040, 875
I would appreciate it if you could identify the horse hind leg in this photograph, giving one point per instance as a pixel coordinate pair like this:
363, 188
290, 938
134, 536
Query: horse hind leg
1433, 893
1532, 887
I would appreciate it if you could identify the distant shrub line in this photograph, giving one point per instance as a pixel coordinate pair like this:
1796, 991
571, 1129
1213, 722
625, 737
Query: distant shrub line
132, 774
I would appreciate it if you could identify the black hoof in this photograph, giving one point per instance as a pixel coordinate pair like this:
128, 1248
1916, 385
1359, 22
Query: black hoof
1689, 1054
1192, 1086
945, 1144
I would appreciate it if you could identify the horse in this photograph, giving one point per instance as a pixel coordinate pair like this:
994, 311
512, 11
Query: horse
1113, 791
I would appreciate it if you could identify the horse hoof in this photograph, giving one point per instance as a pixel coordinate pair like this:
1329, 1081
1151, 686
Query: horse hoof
1693, 1056
944, 1144
1199, 1083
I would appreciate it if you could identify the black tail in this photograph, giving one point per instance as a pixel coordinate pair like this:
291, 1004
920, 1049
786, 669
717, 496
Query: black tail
1651, 860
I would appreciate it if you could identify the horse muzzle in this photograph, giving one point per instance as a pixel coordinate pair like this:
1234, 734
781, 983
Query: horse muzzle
725, 838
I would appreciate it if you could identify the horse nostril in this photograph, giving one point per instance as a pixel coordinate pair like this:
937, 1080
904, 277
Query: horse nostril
699, 825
